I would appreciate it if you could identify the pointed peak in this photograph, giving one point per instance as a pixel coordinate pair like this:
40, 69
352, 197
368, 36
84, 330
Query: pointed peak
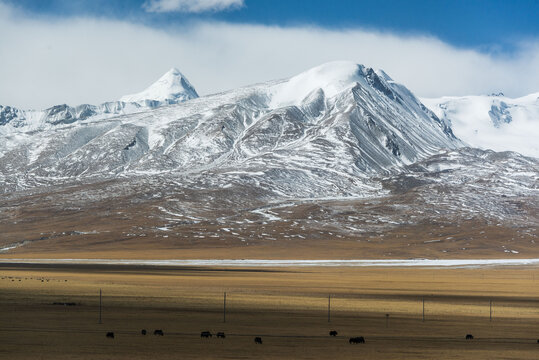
173, 72
172, 87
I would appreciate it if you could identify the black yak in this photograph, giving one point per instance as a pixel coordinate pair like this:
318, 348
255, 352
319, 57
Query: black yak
110, 334
258, 340
357, 340
158, 332
205, 334
333, 333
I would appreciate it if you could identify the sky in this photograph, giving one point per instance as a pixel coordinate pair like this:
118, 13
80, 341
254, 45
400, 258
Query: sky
91, 51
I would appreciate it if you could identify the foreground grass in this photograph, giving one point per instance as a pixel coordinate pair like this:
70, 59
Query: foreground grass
288, 308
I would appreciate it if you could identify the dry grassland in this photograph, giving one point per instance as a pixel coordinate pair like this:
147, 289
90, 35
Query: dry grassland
288, 308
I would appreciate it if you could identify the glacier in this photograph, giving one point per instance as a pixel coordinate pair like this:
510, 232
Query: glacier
493, 122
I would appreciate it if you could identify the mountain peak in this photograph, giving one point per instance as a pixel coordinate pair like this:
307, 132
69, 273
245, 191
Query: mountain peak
172, 87
174, 71
332, 78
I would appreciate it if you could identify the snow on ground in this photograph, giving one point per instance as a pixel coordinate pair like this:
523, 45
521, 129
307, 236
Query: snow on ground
267, 214
430, 263
12, 246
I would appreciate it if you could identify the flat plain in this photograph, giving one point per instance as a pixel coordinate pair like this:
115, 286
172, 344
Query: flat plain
286, 307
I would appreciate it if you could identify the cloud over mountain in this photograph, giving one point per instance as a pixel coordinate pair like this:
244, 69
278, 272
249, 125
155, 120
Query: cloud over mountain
92, 60
190, 6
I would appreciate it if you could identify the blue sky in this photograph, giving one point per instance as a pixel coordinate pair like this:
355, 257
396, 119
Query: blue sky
491, 25
91, 51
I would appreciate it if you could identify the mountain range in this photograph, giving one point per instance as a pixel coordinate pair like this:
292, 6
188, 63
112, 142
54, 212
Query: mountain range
339, 153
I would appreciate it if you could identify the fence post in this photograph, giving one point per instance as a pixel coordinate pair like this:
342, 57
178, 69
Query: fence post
100, 305
329, 308
224, 308
423, 319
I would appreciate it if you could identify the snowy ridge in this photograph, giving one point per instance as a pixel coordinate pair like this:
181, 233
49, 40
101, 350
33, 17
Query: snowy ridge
171, 88
322, 133
492, 122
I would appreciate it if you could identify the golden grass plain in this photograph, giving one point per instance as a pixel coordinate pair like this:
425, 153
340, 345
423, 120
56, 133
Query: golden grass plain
287, 307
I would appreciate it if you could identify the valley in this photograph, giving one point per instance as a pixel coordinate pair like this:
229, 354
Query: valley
286, 307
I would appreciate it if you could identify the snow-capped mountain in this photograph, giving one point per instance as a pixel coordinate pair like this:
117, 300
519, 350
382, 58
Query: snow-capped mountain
340, 153
492, 122
315, 134
171, 88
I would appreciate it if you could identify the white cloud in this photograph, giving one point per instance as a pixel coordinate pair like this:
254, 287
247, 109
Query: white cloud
190, 6
45, 62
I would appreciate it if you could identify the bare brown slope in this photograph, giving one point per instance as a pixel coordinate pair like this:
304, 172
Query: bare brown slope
86, 221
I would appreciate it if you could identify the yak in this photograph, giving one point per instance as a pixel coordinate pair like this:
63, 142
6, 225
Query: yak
357, 340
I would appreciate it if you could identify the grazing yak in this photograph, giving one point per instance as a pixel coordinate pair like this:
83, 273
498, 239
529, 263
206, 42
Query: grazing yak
205, 334
469, 337
221, 335
333, 333
258, 340
357, 340
158, 332
110, 334
143, 331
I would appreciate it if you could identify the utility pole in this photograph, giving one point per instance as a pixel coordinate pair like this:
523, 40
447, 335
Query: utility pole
100, 305
387, 320
329, 308
224, 308
423, 309
490, 310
